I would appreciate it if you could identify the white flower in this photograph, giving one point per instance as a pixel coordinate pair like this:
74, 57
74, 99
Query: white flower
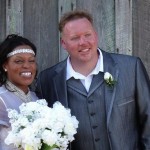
37, 126
49, 137
28, 147
13, 138
109, 79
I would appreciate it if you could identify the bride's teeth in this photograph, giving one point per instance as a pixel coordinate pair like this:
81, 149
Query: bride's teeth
26, 73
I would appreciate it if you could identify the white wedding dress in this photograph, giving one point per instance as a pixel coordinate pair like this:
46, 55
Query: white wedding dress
3, 133
8, 100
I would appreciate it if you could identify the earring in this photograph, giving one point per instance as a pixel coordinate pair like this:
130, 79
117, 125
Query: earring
5, 69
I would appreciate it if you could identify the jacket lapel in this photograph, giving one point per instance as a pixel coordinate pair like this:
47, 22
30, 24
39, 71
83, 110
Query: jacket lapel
96, 82
60, 87
110, 92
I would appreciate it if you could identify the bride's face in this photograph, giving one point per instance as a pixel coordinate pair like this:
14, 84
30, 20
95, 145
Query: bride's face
21, 68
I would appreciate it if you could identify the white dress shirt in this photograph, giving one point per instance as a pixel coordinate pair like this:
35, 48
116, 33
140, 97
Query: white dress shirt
86, 80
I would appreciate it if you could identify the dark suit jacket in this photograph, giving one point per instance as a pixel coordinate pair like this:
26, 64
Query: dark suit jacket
127, 103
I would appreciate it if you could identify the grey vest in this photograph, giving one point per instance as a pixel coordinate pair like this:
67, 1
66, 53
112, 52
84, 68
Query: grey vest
89, 109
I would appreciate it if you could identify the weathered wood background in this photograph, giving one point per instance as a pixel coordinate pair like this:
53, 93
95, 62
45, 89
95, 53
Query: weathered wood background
123, 26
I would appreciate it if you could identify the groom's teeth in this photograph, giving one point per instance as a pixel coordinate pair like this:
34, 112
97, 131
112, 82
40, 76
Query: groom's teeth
84, 50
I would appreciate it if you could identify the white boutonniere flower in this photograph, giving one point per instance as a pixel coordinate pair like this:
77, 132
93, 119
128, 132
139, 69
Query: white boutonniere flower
109, 79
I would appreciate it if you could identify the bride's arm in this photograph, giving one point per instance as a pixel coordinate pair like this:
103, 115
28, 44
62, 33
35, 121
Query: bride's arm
4, 120
4, 127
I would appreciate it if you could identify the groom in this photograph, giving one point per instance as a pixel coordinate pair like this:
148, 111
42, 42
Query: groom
111, 116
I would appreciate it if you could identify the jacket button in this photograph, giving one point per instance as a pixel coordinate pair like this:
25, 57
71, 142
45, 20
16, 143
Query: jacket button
90, 101
94, 127
92, 114
97, 139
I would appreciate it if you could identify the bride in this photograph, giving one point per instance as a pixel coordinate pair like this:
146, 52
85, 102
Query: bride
17, 72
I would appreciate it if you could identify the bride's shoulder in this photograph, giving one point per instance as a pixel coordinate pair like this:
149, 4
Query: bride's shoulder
34, 97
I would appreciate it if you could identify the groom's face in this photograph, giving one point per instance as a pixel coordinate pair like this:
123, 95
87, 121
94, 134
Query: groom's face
80, 40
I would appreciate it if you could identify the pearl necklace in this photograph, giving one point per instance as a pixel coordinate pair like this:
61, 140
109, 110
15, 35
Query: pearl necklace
18, 92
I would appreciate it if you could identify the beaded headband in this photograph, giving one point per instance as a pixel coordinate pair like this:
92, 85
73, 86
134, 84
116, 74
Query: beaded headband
20, 51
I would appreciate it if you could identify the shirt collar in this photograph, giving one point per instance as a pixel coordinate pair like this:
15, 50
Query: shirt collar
99, 68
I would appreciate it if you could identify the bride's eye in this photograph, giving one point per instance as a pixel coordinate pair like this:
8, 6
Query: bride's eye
18, 61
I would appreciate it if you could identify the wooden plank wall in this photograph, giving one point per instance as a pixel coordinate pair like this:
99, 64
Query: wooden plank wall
2, 19
64, 6
123, 25
41, 26
141, 31
14, 17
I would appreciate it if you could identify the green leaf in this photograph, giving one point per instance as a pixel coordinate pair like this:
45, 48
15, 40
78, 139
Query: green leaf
47, 147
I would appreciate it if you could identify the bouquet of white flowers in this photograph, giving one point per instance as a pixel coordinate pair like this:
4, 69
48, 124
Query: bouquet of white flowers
39, 127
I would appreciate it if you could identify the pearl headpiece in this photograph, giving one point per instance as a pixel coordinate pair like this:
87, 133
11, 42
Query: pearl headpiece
20, 51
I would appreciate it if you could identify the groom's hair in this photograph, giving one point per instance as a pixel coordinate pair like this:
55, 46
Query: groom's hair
74, 15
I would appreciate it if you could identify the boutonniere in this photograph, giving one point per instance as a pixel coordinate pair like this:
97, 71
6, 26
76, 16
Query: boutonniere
109, 79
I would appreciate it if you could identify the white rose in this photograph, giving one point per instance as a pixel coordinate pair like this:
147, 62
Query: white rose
107, 75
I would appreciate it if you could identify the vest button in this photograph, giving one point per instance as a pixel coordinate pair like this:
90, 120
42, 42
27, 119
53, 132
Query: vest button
92, 114
90, 101
94, 127
97, 139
